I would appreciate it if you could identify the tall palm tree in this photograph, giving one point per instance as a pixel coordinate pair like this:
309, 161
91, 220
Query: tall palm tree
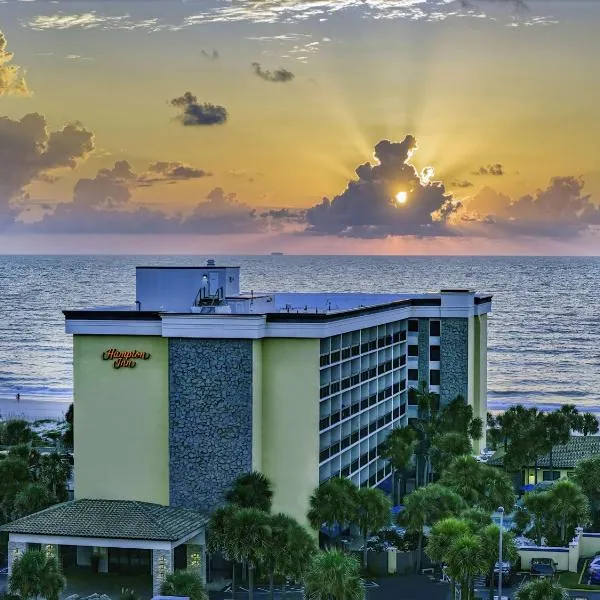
221, 537
489, 539
333, 502
398, 448
251, 531
373, 513
333, 575
54, 471
32, 498
570, 505
35, 574
465, 560
443, 534
589, 424
251, 490
541, 589
425, 507
184, 584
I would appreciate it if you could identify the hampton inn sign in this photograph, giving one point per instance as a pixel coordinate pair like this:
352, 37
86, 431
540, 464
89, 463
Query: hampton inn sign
124, 358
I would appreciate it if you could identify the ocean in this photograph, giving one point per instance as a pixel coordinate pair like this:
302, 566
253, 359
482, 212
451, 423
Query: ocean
544, 332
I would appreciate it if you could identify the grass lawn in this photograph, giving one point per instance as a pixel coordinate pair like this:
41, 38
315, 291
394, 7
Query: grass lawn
571, 581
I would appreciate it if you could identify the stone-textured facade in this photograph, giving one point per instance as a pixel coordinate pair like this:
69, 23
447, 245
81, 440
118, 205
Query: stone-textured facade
210, 415
162, 565
454, 359
423, 351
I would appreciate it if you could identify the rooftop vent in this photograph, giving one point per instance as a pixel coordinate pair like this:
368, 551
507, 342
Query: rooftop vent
210, 262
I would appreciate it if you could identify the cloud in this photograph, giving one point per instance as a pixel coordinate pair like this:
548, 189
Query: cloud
196, 114
28, 150
277, 76
214, 55
495, 169
369, 206
460, 183
561, 210
12, 78
171, 172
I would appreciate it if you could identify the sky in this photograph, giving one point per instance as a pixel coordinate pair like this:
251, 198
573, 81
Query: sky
300, 126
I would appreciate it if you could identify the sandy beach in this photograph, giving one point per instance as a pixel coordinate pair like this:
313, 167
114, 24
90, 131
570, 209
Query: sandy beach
32, 410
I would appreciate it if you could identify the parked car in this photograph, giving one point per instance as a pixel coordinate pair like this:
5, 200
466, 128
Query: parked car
508, 574
594, 570
543, 567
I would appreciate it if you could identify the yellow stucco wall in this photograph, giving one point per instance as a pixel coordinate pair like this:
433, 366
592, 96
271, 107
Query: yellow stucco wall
121, 420
529, 474
290, 428
479, 360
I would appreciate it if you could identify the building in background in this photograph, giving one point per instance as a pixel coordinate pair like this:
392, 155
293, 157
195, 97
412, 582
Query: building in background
196, 383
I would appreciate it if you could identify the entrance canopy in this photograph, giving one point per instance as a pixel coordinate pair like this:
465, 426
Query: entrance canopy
102, 525
116, 519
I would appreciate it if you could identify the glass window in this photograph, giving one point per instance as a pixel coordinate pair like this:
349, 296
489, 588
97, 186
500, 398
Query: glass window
413, 374
413, 325
434, 377
413, 350
434, 328
434, 353
550, 475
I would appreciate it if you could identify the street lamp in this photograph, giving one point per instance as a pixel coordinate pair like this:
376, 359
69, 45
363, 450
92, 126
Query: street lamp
501, 566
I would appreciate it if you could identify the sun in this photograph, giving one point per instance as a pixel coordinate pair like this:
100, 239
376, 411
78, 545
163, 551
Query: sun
401, 197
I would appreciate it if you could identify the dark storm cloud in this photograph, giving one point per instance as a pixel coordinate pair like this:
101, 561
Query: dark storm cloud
369, 208
197, 114
495, 169
214, 55
28, 150
12, 78
277, 76
561, 210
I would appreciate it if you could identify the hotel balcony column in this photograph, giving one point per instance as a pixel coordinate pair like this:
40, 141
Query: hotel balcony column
15, 550
162, 565
196, 560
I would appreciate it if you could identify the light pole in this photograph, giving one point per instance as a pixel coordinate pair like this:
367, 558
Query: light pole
501, 566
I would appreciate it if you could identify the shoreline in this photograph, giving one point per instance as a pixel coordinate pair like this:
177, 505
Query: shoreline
33, 409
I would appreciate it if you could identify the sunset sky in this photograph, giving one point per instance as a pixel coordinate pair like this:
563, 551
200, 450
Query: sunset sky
222, 125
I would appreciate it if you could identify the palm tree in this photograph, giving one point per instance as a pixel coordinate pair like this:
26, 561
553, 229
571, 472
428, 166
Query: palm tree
36, 574
463, 475
446, 447
570, 507
251, 490
496, 489
476, 518
465, 560
373, 513
221, 536
427, 505
589, 424
333, 575
333, 502
251, 532
541, 589
489, 539
398, 448
289, 550
443, 534
184, 584
54, 471
558, 430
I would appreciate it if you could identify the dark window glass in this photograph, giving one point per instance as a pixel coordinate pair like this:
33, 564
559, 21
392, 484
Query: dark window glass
335, 356
325, 360
354, 466
403, 384
335, 417
434, 353
364, 403
355, 408
551, 475
345, 412
335, 387
324, 423
434, 377
354, 437
413, 325
324, 455
345, 353
364, 348
412, 397
355, 350
434, 328
413, 374
364, 459
345, 442
346, 472
413, 350
402, 335
335, 448
403, 359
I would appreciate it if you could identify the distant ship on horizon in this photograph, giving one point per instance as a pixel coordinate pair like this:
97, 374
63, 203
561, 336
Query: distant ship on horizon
276, 253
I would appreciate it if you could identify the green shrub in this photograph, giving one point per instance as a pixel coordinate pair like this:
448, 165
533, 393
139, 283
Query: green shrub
184, 583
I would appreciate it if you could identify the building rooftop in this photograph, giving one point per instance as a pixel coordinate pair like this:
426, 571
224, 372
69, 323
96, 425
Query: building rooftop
565, 456
114, 519
214, 289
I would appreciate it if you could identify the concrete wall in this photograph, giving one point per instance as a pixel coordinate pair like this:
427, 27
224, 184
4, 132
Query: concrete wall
454, 359
480, 373
211, 416
290, 434
560, 556
529, 474
121, 415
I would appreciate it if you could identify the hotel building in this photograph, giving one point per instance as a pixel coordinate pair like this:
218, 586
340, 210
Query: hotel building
196, 383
